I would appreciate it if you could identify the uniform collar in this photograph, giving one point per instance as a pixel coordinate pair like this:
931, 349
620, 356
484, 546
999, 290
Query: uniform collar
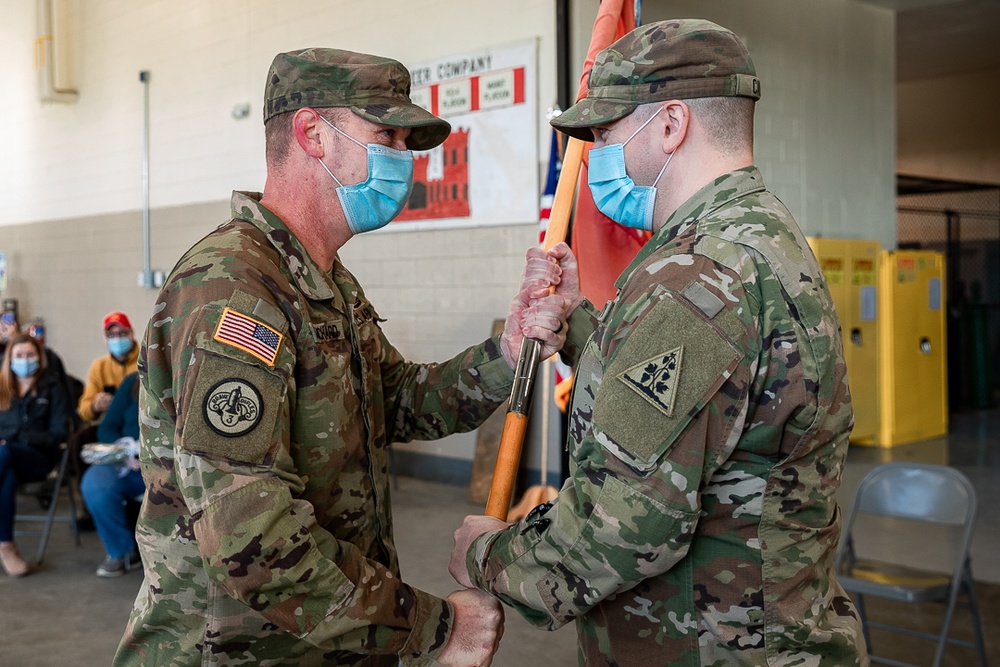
720, 192
312, 281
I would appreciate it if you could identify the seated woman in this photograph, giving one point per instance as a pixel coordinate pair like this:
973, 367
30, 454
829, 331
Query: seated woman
107, 487
34, 419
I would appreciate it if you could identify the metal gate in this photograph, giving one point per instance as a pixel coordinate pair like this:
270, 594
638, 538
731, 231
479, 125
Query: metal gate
961, 220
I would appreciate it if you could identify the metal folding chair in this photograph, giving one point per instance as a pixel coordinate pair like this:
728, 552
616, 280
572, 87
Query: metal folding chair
914, 497
47, 492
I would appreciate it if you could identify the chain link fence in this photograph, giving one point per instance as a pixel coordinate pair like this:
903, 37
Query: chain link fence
962, 221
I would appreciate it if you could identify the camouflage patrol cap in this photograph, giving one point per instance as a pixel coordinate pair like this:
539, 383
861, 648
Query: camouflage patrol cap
375, 88
666, 60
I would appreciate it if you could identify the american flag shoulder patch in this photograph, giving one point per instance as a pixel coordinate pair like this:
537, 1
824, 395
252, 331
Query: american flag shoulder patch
252, 336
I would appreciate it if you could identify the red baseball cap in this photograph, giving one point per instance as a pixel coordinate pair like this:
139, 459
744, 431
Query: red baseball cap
117, 317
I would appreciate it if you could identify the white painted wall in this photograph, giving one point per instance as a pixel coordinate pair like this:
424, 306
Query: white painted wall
65, 161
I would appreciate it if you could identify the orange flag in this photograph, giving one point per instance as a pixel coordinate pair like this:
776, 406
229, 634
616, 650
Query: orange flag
602, 247
614, 19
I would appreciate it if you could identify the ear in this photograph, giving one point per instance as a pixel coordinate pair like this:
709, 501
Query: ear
677, 119
306, 126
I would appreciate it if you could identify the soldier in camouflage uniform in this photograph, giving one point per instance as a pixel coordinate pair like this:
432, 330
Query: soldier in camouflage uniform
710, 417
270, 397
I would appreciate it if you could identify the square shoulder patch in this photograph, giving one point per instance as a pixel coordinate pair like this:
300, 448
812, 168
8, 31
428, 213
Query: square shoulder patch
231, 412
665, 372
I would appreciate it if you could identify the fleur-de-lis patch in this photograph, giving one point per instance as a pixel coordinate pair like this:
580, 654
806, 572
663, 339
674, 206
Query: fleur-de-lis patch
656, 379
233, 407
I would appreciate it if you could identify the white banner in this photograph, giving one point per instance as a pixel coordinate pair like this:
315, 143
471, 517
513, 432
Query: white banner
486, 172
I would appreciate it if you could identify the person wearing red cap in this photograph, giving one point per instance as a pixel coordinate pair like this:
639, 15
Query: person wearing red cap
107, 372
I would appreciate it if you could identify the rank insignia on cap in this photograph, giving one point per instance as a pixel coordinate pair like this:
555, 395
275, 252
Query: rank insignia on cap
250, 335
233, 407
656, 379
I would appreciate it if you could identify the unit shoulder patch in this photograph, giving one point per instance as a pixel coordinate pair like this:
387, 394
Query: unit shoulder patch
670, 365
233, 407
656, 379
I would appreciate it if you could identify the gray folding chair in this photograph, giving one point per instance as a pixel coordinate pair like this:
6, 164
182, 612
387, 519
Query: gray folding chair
47, 491
923, 498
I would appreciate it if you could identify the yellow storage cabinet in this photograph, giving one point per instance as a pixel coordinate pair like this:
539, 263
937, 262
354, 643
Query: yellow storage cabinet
913, 367
850, 267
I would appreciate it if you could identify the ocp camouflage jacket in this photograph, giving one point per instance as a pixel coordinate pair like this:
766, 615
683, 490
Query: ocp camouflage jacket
707, 433
269, 399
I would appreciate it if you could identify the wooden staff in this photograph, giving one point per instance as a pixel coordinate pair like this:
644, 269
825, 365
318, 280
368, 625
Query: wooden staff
614, 17
516, 423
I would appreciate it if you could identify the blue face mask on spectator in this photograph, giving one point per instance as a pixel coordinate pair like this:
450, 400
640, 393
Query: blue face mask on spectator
373, 203
24, 368
119, 347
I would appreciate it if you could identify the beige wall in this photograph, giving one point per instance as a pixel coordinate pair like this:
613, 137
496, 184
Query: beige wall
825, 124
948, 128
64, 161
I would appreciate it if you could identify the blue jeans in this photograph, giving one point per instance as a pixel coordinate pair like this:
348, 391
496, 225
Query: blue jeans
19, 464
105, 494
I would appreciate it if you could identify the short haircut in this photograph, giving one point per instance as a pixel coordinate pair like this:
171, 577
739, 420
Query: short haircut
728, 121
644, 111
278, 134
277, 137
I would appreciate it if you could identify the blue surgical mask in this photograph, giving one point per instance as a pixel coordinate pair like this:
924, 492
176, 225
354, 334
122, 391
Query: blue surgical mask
119, 347
23, 367
373, 203
615, 193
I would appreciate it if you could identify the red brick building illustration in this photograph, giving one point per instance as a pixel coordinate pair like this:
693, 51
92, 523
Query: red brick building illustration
441, 181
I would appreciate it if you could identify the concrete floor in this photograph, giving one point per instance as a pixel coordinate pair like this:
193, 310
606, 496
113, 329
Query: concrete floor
64, 615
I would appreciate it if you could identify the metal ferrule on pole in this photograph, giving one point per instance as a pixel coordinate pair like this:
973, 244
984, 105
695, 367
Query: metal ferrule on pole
524, 376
